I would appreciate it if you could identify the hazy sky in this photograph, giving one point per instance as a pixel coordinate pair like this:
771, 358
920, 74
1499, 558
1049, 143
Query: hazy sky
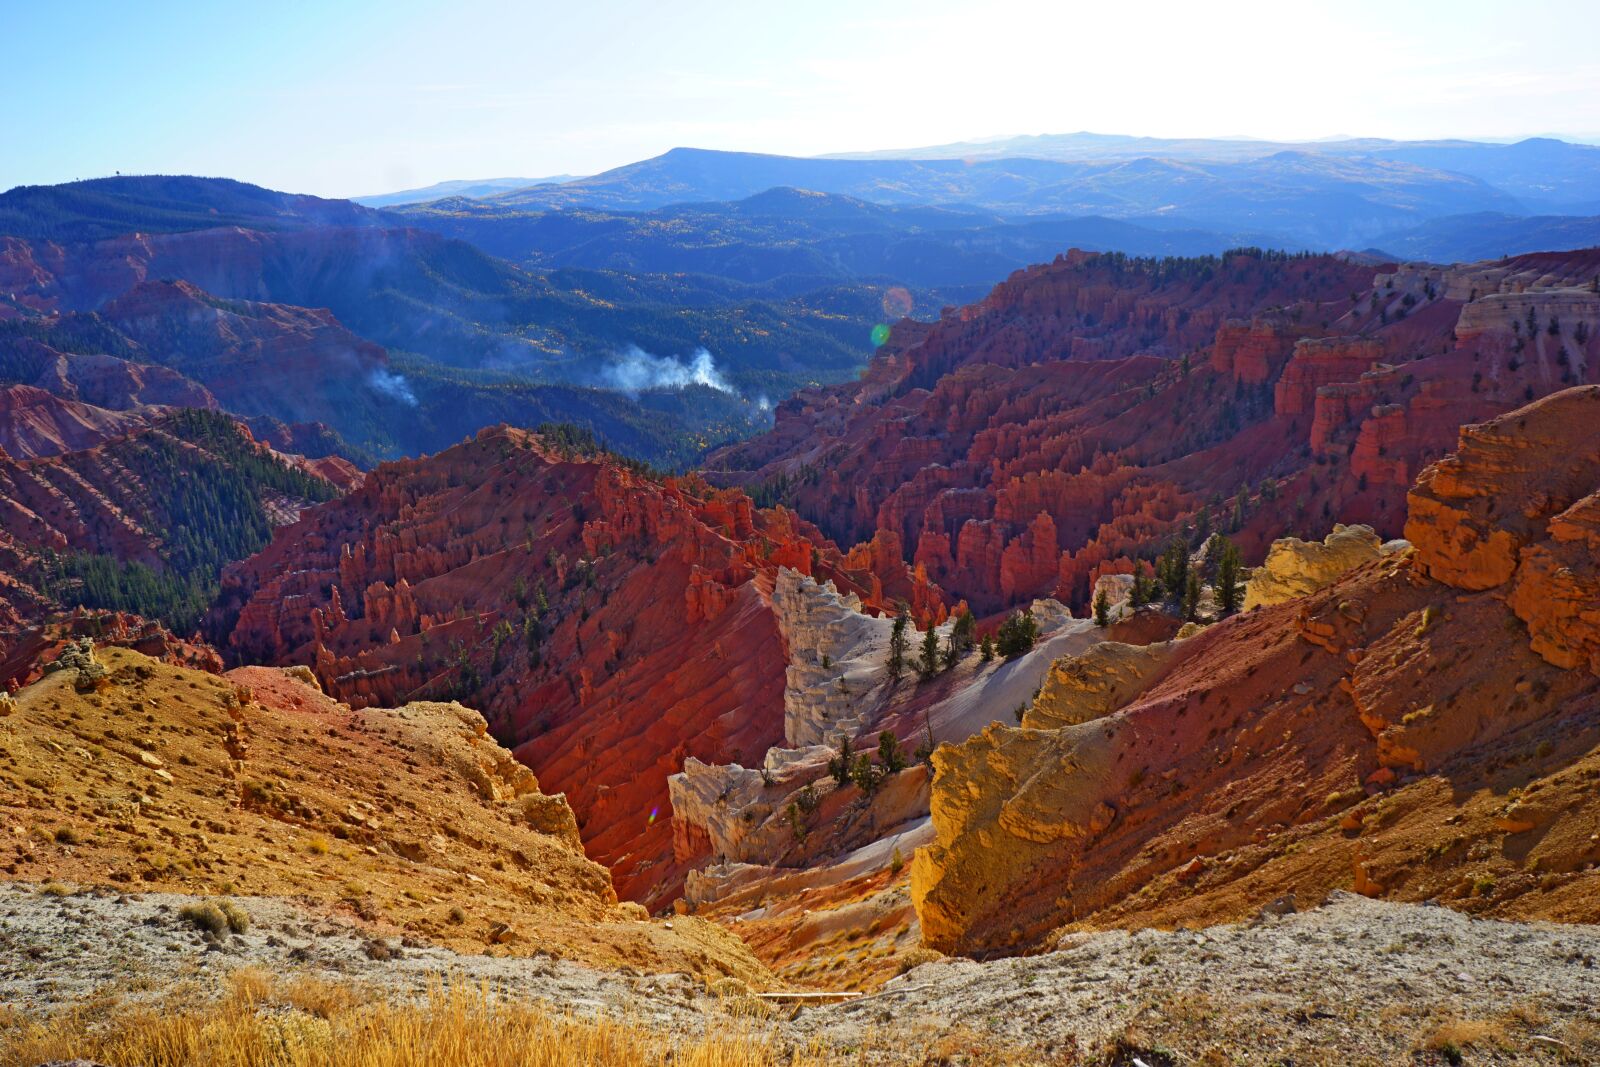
364, 97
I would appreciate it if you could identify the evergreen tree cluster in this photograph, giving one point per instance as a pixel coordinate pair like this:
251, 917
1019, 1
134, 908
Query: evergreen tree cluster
203, 484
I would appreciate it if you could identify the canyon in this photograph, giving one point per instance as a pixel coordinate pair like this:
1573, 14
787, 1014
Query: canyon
687, 683
720, 653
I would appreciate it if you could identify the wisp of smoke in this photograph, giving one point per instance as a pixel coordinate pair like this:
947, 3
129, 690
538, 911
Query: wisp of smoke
637, 370
393, 386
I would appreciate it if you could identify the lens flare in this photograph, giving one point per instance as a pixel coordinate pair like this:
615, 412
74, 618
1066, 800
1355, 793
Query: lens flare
897, 303
880, 334
651, 821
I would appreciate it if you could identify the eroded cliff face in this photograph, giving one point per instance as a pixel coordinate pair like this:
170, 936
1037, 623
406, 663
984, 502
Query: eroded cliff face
825, 862
1008, 449
1410, 730
610, 626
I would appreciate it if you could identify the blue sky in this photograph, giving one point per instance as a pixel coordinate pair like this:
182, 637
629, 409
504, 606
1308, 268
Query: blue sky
362, 97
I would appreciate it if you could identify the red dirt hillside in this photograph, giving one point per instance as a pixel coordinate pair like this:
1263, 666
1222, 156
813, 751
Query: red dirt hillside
1084, 410
607, 624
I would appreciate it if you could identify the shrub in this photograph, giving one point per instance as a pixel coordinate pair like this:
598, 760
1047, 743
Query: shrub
218, 918
207, 918
865, 774
1017, 635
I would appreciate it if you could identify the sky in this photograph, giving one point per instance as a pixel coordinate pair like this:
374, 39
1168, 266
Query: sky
361, 97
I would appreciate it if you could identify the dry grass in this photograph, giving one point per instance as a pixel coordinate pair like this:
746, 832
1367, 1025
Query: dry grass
262, 1021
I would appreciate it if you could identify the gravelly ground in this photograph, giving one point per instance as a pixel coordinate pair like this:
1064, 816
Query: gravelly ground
1354, 981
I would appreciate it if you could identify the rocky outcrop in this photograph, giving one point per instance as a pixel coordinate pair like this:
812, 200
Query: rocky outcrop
1471, 513
1294, 568
1365, 733
836, 655
1319, 363
1556, 589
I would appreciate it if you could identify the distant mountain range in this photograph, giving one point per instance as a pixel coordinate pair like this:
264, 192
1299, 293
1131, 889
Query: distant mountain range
1542, 172
473, 188
667, 305
789, 240
1347, 193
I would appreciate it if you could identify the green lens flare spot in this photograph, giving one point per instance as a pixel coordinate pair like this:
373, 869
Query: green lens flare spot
880, 334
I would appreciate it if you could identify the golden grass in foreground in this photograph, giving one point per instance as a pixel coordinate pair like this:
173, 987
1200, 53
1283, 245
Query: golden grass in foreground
266, 1023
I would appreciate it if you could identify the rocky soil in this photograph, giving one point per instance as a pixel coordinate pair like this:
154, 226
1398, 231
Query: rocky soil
1354, 981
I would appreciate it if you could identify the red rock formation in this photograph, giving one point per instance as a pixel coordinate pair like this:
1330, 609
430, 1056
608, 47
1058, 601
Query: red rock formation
1316, 363
1119, 399
1253, 351
608, 625
1375, 726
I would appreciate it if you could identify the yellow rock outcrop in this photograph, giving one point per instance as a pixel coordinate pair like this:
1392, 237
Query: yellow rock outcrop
1294, 568
1094, 684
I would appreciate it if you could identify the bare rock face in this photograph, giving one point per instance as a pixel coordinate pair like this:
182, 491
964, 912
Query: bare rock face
1473, 512
1294, 568
836, 655
990, 790
1365, 733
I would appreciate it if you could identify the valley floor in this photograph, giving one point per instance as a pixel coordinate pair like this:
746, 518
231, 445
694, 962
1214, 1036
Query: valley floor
1353, 981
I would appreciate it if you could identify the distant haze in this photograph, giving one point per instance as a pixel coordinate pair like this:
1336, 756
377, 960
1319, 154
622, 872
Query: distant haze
368, 97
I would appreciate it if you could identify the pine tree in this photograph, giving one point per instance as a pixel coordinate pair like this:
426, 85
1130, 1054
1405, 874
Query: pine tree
1102, 609
1229, 591
961, 632
1191, 596
1173, 570
986, 649
843, 764
929, 665
1144, 586
890, 754
897, 645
